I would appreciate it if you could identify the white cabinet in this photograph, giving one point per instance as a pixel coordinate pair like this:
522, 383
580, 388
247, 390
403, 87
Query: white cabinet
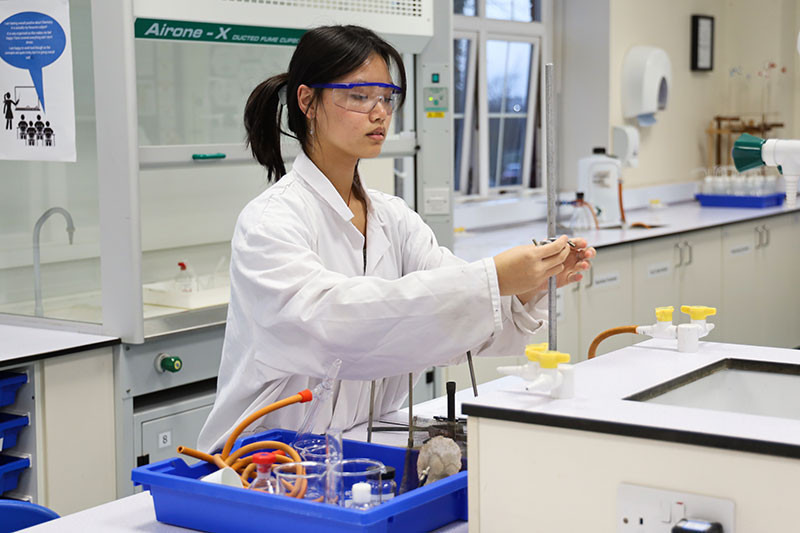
758, 268
777, 270
680, 270
605, 300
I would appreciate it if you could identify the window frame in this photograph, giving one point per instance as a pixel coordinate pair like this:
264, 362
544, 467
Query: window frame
479, 30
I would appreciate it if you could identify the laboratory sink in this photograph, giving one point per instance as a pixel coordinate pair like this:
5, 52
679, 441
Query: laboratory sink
736, 385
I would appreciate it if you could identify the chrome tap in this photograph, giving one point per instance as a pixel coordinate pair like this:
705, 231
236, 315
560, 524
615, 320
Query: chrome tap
37, 276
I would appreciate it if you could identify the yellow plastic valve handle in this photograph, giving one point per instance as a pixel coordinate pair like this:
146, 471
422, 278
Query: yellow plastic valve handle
698, 312
534, 351
664, 314
551, 359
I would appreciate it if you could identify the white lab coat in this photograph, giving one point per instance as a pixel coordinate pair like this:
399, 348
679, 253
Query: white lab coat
300, 298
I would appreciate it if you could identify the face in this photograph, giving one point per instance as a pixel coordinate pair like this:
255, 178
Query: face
342, 133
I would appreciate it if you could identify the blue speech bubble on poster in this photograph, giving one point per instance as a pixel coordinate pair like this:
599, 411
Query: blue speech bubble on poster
31, 41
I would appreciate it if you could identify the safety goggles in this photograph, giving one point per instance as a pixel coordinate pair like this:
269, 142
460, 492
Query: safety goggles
363, 97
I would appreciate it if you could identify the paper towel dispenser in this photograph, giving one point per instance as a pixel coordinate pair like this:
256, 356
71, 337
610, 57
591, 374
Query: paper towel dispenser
646, 75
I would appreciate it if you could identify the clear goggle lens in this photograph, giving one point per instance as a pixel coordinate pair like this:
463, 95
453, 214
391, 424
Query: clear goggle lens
363, 97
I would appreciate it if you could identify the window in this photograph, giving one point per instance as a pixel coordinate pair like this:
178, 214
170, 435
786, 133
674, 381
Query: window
496, 55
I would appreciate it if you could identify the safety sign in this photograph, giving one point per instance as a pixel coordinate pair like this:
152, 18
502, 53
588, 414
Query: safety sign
38, 113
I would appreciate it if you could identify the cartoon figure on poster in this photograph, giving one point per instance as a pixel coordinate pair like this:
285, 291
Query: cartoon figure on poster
35, 54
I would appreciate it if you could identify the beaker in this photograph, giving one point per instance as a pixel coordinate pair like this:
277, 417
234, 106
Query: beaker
344, 474
321, 448
306, 480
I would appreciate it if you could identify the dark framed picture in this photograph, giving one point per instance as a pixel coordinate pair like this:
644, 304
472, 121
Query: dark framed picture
702, 42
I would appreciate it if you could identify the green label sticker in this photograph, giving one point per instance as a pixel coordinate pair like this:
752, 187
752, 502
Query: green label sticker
181, 30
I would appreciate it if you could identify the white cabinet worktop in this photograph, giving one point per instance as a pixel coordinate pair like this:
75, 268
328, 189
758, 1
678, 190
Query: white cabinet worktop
603, 384
677, 218
22, 344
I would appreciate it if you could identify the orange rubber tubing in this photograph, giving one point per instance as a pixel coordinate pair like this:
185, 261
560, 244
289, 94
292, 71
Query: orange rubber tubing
300, 397
619, 195
213, 459
608, 333
594, 214
248, 471
263, 445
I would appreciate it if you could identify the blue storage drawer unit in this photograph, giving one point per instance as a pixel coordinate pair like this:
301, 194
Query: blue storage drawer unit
181, 499
10, 469
10, 425
10, 382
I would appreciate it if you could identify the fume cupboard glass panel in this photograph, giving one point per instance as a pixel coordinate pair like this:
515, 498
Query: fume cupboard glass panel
191, 94
188, 216
195, 93
70, 274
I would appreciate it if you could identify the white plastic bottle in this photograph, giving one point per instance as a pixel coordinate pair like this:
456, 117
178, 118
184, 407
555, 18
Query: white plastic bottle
599, 179
184, 281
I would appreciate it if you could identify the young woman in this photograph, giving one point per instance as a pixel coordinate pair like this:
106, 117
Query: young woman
323, 269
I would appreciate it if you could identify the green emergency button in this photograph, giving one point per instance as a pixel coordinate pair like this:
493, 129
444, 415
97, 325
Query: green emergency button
435, 77
168, 363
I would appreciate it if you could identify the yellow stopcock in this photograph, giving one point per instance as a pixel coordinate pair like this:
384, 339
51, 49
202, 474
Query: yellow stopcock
533, 351
546, 358
664, 314
698, 312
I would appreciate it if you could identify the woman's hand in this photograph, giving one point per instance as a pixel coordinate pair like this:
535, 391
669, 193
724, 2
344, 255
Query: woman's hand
526, 268
577, 261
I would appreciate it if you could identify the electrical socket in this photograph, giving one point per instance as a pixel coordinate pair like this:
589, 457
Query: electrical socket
648, 510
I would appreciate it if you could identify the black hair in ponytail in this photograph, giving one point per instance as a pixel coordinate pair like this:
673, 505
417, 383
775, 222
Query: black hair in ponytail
323, 54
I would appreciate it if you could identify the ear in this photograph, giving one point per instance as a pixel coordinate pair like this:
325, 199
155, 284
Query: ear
305, 95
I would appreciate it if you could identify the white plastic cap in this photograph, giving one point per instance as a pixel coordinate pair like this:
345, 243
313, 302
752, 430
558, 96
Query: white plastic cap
362, 493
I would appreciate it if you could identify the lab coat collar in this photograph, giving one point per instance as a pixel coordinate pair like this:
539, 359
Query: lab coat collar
306, 169
377, 241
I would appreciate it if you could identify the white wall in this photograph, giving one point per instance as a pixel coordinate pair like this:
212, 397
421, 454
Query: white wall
583, 100
596, 34
675, 145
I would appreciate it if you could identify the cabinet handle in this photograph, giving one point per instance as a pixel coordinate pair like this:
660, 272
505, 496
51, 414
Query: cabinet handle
767, 235
679, 247
591, 277
691, 253
758, 237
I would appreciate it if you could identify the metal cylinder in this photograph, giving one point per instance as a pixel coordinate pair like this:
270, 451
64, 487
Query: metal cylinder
552, 196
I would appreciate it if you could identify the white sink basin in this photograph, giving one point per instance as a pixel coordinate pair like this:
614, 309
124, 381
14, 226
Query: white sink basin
736, 385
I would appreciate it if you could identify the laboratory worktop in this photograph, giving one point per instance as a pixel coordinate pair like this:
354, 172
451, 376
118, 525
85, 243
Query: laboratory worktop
604, 384
469, 245
20, 344
673, 219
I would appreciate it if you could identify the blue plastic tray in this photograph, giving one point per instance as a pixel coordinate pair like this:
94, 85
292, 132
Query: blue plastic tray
729, 200
181, 499
10, 425
10, 469
10, 382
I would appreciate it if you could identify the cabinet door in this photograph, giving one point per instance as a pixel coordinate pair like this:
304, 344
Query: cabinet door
741, 296
606, 300
161, 436
699, 277
777, 266
656, 266
567, 340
